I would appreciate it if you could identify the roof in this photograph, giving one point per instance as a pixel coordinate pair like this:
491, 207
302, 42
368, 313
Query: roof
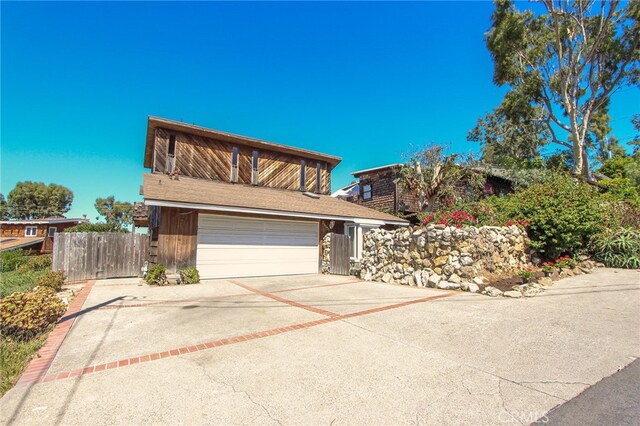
375, 169
10, 243
157, 122
493, 171
43, 221
351, 189
161, 190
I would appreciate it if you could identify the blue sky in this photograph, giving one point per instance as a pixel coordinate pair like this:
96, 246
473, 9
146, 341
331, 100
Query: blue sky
364, 81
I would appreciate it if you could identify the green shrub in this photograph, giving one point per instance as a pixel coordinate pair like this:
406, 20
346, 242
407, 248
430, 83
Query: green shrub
617, 249
621, 189
10, 260
23, 315
51, 279
36, 263
96, 227
189, 275
156, 275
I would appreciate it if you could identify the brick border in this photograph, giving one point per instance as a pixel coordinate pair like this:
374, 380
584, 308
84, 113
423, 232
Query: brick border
228, 341
283, 300
39, 366
213, 299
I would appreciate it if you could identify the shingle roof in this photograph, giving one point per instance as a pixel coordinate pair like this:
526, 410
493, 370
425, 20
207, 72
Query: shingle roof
9, 243
158, 187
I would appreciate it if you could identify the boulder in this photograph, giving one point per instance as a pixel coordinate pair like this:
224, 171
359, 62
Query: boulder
478, 280
513, 294
470, 287
434, 279
492, 291
454, 279
441, 260
446, 285
545, 281
386, 277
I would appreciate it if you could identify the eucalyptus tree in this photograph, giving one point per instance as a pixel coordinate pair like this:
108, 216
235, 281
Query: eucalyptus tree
562, 66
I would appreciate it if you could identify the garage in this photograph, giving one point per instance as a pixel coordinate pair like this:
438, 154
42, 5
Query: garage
232, 246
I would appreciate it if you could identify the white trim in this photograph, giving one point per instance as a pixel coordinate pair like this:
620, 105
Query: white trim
267, 212
26, 231
55, 230
40, 221
388, 166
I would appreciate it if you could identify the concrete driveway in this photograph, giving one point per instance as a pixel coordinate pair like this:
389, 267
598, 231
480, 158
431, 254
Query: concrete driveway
330, 350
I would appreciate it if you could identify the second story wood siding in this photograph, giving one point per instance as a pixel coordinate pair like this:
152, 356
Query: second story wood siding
211, 158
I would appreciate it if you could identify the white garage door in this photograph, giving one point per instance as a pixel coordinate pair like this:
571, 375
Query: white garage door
244, 247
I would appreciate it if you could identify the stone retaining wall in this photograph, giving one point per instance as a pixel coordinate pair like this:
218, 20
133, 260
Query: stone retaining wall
440, 256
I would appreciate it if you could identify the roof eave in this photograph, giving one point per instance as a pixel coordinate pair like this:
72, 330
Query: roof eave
283, 213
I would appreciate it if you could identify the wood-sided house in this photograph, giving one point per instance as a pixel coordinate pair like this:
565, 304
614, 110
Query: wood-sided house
236, 206
35, 235
377, 188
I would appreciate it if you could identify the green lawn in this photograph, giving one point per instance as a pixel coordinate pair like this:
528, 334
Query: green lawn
10, 282
14, 357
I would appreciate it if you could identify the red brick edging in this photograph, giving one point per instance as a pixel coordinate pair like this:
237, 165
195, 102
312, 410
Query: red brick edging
283, 300
38, 367
238, 339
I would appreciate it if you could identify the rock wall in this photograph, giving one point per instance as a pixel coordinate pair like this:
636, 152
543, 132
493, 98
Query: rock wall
440, 256
325, 265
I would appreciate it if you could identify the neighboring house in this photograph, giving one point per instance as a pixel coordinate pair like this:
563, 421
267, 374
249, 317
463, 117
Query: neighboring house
36, 235
377, 188
235, 206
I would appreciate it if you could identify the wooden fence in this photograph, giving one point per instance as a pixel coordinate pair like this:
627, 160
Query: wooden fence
339, 259
92, 255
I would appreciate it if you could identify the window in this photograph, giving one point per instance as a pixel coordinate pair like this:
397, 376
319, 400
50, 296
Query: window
30, 231
171, 154
52, 231
172, 145
303, 175
366, 191
254, 168
318, 178
234, 165
356, 239
351, 231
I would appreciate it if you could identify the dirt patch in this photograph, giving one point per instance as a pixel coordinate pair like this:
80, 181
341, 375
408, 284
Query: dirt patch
506, 282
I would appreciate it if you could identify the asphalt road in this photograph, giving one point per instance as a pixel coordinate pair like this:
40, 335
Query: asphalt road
612, 401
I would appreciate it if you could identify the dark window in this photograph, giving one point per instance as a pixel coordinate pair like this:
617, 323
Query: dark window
254, 168
318, 177
234, 165
52, 231
366, 191
171, 154
303, 175
172, 145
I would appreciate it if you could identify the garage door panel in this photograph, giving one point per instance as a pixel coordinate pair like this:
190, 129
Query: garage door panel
243, 247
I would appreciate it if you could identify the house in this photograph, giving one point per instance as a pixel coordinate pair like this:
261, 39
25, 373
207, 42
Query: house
377, 188
235, 206
36, 235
